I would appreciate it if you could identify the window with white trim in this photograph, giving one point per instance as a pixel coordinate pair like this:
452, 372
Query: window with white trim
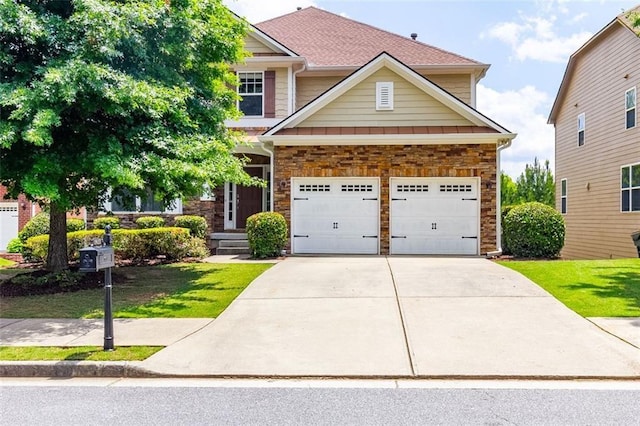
563, 196
581, 126
630, 102
251, 90
124, 201
384, 95
630, 188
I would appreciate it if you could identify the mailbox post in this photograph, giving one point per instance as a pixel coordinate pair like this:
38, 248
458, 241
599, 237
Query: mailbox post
93, 259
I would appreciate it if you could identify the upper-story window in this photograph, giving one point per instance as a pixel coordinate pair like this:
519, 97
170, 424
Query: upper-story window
630, 108
251, 90
630, 188
581, 126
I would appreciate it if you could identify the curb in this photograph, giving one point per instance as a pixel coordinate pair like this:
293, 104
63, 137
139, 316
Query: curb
132, 369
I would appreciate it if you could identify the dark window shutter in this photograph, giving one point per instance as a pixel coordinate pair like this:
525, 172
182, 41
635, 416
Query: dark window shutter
269, 94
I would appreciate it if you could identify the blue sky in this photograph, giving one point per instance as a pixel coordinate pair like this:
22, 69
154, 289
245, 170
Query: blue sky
527, 43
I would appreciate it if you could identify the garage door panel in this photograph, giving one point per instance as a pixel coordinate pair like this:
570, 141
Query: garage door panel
442, 245
434, 216
335, 215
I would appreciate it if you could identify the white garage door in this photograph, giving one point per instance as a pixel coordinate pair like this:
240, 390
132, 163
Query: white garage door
331, 215
8, 223
434, 216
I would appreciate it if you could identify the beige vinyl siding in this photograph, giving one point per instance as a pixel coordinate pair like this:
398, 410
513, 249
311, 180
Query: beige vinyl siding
357, 107
459, 85
256, 47
596, 228
282, 93
309, 88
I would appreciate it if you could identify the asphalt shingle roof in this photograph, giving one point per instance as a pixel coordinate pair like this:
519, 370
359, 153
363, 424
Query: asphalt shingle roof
327, 39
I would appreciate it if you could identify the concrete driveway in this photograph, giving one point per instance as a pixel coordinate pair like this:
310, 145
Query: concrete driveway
376, 316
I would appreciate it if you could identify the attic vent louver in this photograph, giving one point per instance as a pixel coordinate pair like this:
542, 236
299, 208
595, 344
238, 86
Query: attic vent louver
384, 95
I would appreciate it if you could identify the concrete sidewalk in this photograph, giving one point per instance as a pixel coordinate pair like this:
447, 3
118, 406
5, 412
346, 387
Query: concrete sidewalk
370, 317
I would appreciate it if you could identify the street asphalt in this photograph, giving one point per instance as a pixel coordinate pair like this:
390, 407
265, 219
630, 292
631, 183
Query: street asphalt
361, 316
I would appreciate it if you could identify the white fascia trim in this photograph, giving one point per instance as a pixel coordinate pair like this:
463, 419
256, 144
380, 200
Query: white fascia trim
252, 122
456, 138
262, 61
271, 43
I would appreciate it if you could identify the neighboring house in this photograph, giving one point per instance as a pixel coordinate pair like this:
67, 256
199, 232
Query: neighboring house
14, 214
597, 144
370, 142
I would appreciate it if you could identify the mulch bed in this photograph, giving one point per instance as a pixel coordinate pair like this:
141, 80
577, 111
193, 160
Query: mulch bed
39, 281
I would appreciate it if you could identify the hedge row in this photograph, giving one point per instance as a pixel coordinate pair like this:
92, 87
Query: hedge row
134, 244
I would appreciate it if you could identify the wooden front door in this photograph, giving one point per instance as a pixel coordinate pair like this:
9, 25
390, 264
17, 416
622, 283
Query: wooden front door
248, 198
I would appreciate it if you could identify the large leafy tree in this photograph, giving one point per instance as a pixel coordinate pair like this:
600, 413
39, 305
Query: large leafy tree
508, 190
99, 94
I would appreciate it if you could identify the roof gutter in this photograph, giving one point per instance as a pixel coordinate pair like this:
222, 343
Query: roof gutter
502, 144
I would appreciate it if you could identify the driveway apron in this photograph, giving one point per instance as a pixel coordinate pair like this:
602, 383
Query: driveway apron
375, 316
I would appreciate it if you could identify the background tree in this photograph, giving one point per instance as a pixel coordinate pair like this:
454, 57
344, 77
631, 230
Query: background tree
98, 94
508, 190
536, 184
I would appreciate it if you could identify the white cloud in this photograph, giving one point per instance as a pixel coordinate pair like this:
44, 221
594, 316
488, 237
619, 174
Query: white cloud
536, 37
257, 11
523, 111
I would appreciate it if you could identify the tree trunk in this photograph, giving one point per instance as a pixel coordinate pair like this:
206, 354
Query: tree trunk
57, 255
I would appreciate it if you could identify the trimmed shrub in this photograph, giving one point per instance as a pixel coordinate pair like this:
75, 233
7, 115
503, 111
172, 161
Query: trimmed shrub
14, 246
37, 225
267, 234
102, 222
196, 224
128, 244
75, 225
146, 222
534, 230
504, 213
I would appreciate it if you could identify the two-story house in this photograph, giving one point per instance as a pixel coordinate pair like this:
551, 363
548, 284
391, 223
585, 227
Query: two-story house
597, 144
370, 142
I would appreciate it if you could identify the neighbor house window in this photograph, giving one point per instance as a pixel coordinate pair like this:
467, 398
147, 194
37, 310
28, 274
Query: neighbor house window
630, 188
581, 129
251, 91
124, 201
563, 196
630, 108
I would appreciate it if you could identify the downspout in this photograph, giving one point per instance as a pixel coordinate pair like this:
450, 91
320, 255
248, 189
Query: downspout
294, 86
502, 144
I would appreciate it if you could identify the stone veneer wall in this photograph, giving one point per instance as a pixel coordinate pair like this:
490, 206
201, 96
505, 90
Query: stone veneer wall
385, 161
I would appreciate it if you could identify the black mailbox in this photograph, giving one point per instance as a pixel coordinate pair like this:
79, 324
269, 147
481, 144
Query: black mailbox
94, 259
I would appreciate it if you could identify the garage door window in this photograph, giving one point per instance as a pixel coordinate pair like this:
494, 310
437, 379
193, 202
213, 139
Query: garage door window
357, 188
455, 188
412, 188
315, 188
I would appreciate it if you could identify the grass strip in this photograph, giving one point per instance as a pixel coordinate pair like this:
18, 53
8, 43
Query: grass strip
592, 288
76, 353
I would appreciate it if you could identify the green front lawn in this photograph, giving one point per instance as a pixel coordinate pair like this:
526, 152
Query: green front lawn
592, 288
79, 353
181, 290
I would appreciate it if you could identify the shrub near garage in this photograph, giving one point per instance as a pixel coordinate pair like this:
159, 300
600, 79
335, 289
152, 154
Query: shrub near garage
534, 230
267, 234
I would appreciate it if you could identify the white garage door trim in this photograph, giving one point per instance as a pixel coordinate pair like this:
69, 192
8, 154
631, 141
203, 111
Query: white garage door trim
335, 215
8, 223
434, 216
